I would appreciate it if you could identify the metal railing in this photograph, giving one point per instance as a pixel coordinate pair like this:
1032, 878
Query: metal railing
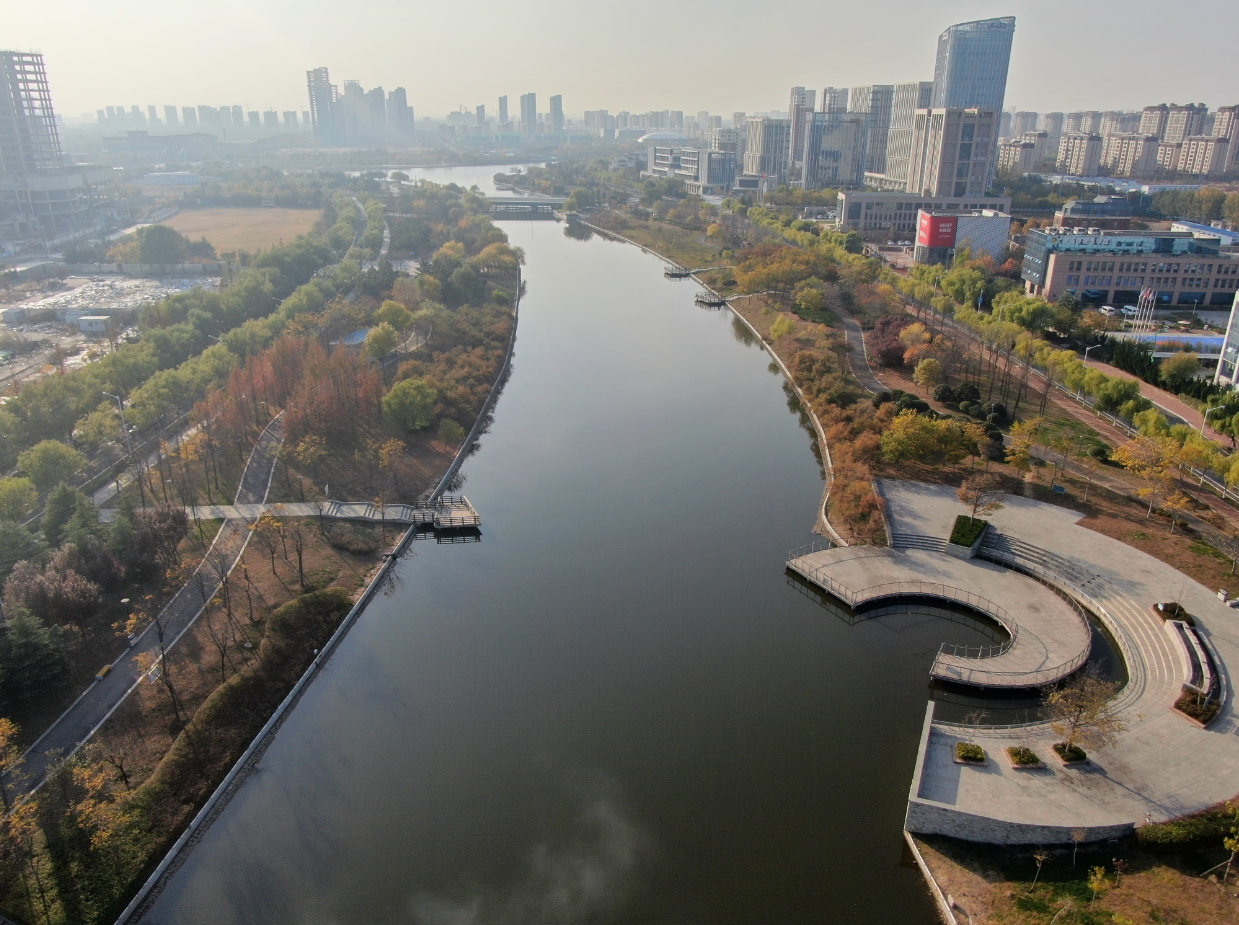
815, 546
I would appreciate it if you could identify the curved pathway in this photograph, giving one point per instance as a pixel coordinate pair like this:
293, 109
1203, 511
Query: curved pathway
1163, 764
92, 709
858, 357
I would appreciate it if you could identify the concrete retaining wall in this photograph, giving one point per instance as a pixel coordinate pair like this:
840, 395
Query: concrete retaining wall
928, 818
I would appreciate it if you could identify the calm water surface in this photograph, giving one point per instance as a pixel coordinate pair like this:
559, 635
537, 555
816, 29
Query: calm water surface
616, 708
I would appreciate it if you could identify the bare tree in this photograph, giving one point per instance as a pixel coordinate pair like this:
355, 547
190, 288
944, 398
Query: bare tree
1082, 712
981, 493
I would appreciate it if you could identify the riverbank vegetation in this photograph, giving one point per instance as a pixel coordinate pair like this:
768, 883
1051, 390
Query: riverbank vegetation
281, 336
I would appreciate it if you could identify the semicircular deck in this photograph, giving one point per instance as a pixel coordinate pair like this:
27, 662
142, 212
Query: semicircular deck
1049, 637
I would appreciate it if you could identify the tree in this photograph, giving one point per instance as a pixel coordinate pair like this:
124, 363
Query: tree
1179, 369
50, 462
17, 497
982, 495
32, 656
311, 450
410, 404
1023, 437
450, 433
61, 506
17, 544
782, 327
1151, 459
381, 340
928, 374
161, 245
1081, 710
394, 314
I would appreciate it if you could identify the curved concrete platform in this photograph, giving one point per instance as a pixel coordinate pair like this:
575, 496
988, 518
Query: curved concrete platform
1049, 637
1163, 765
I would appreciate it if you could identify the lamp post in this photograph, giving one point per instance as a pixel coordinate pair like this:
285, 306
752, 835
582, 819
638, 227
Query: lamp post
1205, 419
124, 429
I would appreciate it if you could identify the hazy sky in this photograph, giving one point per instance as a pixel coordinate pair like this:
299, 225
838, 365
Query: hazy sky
721, 55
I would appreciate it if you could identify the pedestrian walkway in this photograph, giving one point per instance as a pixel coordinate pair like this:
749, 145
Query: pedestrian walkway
99, 701
447, 512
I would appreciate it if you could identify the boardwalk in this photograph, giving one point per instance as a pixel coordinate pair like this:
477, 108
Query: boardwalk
101, 699
1163, 765
1048, 637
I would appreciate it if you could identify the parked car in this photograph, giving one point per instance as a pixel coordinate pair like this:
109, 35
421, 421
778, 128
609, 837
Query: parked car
1107, 309
1130, 310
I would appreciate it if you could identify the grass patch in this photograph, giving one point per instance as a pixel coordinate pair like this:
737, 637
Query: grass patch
966, 530
244, 229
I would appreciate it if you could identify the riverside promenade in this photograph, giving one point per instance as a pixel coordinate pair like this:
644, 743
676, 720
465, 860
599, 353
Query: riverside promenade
1163, 766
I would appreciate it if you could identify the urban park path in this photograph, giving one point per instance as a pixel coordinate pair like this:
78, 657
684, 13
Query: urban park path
78, 723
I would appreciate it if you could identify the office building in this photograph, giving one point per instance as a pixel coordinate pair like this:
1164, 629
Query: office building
768, 149
953, 152
896, 212
875, 102
1079, 154
972, 63
43, 202
1114, 266
322, 102
1004, 126
833, 150
529, 114
400, 113
1105, 213
503, 110
939, 235
738, 120
1130, 155
799, 106
834, 99
905, 101
1229, 359
704, 172
557, 114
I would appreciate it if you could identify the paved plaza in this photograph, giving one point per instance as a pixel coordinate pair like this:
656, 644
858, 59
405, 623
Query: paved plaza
1163, 765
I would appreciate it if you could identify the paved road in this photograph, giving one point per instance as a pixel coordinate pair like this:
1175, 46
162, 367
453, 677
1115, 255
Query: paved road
102, 698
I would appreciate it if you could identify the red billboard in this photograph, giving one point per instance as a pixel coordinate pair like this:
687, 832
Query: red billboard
935, 230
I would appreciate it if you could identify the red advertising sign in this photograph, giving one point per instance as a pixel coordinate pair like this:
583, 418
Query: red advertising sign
935, 230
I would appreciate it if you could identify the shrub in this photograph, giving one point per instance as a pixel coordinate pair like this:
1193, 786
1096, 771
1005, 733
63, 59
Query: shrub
966, 530
1024, 757
945, 394
1069, 752
1199, 706
967, 392
965, 407
1212, 823
969, 751
994, 419
1101, 453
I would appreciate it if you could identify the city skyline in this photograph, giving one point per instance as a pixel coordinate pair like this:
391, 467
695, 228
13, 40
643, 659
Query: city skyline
264, 63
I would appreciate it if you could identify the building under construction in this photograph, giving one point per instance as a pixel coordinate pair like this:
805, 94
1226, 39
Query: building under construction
44, 203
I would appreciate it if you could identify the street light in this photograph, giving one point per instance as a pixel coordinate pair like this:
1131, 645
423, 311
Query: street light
1205, 419
124, 429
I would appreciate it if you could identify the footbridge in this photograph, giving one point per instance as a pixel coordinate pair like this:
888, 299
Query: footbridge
449, 512
525, 206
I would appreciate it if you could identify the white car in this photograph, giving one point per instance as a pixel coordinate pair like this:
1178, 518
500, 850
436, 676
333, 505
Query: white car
1107, 309
1130, 310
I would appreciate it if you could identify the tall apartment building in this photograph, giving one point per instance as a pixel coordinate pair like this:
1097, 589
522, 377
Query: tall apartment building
767, 150
971, 72
42, 201
834, 99
322, 101
170, 117
1204, 155
875, 102
1130, 154
1182, 122
799, 106
503, 110
400, 113
833, 150
1153, 120
1079, 154
905, 101
1226, 121
529, 114
1018, 156
1023, 122
953, 152
557, 113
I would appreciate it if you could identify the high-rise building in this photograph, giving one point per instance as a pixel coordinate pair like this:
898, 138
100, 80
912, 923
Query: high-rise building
1079, 154
906, 100
399, 114
322, 102
799, 106
376, 102
290, 120
875, 103
271, 120
834, 99
1129, 154
170, 117
151, 116
833, 150
953, 152
529, 114
255, 120
503, 110
1004, 125
1183, 122
189, 116
1023, 122
42, 201
1053, 126
557, 114
1204, 155
738, 120
971, 68
767, 151
238, 116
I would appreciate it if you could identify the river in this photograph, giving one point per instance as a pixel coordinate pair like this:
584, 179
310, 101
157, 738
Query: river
616, 707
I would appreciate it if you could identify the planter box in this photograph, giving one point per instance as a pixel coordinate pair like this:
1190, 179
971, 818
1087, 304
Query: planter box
1064, 762
1040, 765
966, 552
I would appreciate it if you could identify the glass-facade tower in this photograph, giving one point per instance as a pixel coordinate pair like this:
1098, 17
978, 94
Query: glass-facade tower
971, 69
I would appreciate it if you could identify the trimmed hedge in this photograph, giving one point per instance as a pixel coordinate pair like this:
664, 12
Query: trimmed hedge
966, 530
1214, 822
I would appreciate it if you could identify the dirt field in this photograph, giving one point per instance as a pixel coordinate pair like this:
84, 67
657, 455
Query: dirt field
244, 229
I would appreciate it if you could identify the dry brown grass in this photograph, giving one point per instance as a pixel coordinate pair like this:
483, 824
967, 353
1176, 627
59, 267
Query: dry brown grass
244, 229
